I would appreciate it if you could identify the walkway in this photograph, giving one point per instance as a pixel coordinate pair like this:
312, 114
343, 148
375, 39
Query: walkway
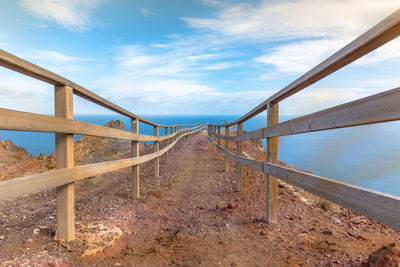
190, 217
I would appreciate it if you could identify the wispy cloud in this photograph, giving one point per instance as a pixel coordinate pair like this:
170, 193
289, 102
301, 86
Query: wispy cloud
147, 12
71, 14
308, 30
170, 76
25, 94
300, 57
54, 61
293, 19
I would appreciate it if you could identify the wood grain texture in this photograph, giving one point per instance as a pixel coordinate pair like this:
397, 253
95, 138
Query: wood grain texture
156, 149
135, 168
239, 167
23, 186
272, 157
227, 160
64, 152
379, 206
24, 121
167, 141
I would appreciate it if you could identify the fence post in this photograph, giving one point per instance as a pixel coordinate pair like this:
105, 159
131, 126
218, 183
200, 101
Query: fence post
272, 157
179, 134
156, 149
227, 148
172, 131
213, 129
166, 154
176, 136
239, 167
135, 153
63, 102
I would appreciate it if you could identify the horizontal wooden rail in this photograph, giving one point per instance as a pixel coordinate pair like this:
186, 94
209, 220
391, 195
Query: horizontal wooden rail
381, 207
24, 121
380, 34
378, 108
23, 186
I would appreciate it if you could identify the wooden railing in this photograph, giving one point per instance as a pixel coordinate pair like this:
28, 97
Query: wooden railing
377, 108
64, 127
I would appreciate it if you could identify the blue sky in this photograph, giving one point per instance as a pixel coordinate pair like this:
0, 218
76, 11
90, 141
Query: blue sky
192, 57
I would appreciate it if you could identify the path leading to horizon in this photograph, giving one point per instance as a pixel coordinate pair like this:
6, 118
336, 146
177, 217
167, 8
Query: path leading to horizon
190, 216
195, 218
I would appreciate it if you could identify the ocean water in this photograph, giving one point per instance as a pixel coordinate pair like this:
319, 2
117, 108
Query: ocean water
367, 156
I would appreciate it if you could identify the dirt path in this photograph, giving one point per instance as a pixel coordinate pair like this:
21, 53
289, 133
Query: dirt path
191, 216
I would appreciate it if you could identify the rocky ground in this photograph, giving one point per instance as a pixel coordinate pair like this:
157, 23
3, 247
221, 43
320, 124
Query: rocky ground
191, 216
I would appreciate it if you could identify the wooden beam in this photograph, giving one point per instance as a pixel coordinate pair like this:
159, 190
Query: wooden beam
218, 138
135, 168
175, 131
227, 160
239, 167
63, 100
23, 121
166, 154
156, 149
213, 129
272, 157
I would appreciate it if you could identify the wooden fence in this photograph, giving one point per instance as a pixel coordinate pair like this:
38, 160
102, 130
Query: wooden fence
64, 127
377, 108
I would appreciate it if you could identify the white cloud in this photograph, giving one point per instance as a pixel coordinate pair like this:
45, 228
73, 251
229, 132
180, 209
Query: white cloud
222, 65
25, 94
147, 12
389, 51
309, 30
172, 78
71, 14
53, 56
300, 57
294, 19
183, 59
53, 60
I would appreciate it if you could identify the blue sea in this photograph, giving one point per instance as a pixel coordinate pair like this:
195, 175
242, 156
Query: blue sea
367, 156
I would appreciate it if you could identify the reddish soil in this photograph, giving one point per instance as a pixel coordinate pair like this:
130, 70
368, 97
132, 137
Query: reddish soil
192, 216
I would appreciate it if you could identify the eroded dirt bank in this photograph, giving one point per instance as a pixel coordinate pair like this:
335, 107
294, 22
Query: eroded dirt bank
192, 216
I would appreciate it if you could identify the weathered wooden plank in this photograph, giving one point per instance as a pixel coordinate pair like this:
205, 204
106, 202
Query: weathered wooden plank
24, 121
157, 159
23, 186
239, 168
134, 154
63, 103
227, 160
272, 157
379, 206
166, 154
